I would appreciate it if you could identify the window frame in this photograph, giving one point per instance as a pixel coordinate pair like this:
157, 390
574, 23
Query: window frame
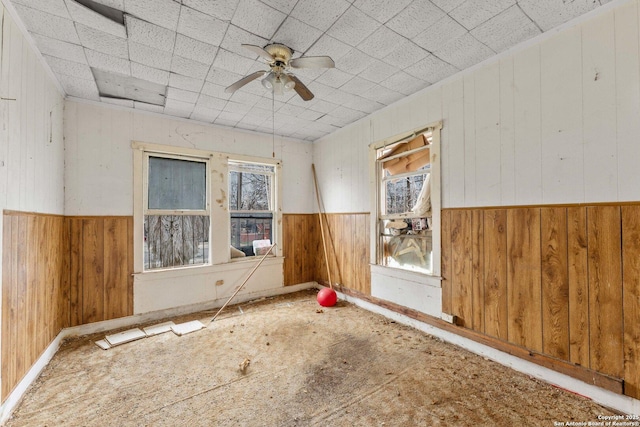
377, 200
218, 185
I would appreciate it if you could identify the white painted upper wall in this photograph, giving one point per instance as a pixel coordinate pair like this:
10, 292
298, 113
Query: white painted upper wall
555, 120
31, 143
99, 157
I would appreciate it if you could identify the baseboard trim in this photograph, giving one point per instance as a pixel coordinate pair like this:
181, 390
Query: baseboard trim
599, 395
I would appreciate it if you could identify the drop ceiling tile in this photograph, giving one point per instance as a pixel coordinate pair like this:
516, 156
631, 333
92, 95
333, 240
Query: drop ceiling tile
108, 62
148, 34
88, 17
79, 88
291, 110
236, 37
182, 95
177, 108
439, 33
463, 52
59, 49
228, 117
69, 68
189, 48
354, 62
211, 102
381, 43
431, 69
333, 120
115, 4
232, 62
378, 71
353, 27
381, 10
284, 6
164, 13
472, 13
415, 18
364, 105
215, 90
320, 15
328, 46
221, 9
48, 25
357, 85
406, 54
53, 7
151, 74
118, 101
296, 34
203, 114
236, 107
245, 98
257, 18
447, 5
334, 78
311, 115
404, 83
189, 68
383, 95
149, 56
103, 42
185, 83
200, 26
148, 107
548, 14
223, 77
506, 29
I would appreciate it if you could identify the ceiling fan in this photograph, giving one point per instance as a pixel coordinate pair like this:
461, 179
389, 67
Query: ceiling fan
278, 79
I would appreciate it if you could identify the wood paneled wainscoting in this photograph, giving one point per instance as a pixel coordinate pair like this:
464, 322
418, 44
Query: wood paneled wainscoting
347, 239
34, 298
59, 272
561, 281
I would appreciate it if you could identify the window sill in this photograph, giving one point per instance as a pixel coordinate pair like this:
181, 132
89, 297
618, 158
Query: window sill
235, 264
411, 276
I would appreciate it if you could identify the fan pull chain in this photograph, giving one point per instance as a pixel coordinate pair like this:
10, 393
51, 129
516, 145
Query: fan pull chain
273, 123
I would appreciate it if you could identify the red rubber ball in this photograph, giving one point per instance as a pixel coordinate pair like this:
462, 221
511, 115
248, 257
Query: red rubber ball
327, 297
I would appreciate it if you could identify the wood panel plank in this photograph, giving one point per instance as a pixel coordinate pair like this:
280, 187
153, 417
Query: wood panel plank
495, 267
92, 270
605, 289
32, 297
130, 238
631, 298
76, 271
346, 226
477, 270
8, 309
115, 268
461, 263
578, 285
555, 282
65, 275
362, 249
523, 278
445, 233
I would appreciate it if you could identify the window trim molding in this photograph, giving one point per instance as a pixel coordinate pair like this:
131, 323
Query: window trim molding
436, 191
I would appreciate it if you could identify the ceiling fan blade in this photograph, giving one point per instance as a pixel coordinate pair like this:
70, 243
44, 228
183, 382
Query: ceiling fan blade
312, 62
259, 51
243, 81
302, 90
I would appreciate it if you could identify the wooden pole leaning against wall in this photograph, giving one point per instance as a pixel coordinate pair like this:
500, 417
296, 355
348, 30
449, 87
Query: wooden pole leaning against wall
320, 216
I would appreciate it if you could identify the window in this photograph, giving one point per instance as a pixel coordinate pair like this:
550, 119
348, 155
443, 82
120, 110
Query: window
191, 205
251, 205
176, 211
407, 218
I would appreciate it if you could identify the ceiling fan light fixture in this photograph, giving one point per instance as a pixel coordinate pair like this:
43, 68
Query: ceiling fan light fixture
270, 81
289, 84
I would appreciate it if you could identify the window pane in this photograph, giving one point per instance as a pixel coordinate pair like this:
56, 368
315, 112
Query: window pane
175, 240
177, 184
401, 194
249, 191
246, 227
